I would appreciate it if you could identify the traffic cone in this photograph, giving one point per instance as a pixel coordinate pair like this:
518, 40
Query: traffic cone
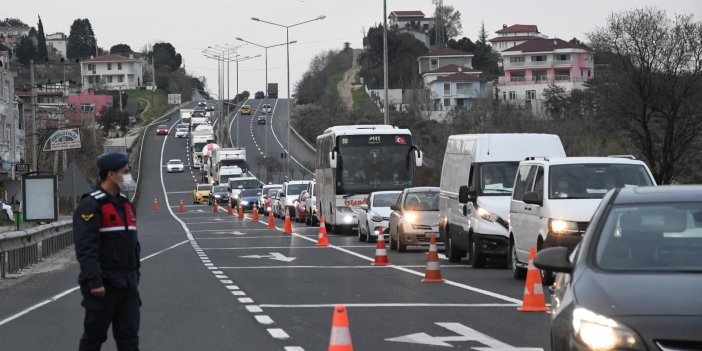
215, 208
533, 300
381, 254
254, 214
340, 339
229, 209
432, 274
155, 204
182, 206
288, 225
241, 211
271, 220
322, 238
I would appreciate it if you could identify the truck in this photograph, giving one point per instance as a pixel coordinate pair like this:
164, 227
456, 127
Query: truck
227, 157
197, 118
185, 115
273, 90
198, 140
225, 173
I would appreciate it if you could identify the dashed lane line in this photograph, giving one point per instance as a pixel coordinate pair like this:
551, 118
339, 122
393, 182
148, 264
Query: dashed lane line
375, 305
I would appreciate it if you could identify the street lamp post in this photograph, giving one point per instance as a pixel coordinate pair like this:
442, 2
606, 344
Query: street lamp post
287, 49
237, 88
265, 147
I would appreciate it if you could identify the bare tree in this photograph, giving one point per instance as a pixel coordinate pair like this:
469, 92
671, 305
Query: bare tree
652, 89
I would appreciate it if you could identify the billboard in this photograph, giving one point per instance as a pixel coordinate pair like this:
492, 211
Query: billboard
39, 198
63, 139
174, 99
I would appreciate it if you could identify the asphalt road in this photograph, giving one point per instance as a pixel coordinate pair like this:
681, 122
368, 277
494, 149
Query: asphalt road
216, 282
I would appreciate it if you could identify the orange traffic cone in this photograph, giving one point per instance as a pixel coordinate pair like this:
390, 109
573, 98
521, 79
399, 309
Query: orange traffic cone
254, 214
271, 220
340, 339
288, 225
215, 208
241, 211
381, 254
533, 300
432, 274
229, 209
322, 238
155, 204
182, 206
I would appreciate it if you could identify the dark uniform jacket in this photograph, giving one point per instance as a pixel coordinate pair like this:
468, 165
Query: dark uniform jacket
106, 242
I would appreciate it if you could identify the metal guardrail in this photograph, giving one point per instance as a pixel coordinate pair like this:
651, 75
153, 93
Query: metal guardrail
20, 249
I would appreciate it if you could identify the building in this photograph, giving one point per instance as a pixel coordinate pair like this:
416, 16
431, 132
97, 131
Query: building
531, 66
456, 91
56, 43
86, 105
509, 37
412, 19
444, 71
11, 134
12, 35
443, 57
112, 72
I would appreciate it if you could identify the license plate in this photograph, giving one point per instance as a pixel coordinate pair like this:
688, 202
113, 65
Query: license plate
428, 235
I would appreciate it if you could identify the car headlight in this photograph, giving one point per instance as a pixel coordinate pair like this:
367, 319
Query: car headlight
376, 218
598, 332
268, 209
487, 215
235, 196
348, 218
560, 226
409, 218
217, 196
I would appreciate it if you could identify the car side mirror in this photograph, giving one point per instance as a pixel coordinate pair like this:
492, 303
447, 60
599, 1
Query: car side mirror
332, 159
364, 207
466, 195
533, 198
554, 259
394, 208
281, 195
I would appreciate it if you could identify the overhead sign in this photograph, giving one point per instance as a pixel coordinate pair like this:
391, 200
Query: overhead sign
63, 139
174, 99
464, 334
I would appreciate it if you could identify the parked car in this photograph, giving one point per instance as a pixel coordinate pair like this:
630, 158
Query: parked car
162, 130
265, 195
245, 110
300, 206
261, 120
201, 193
634, 281
259, 95
375, 213
248, 198
414, 217
266, 108
554, 199
175, 165
311, 205
218, 194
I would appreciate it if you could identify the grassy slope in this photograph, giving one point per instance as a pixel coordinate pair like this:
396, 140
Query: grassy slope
157, 101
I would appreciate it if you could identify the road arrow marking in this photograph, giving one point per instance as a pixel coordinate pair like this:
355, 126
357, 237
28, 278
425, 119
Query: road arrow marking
273, 256
464, 334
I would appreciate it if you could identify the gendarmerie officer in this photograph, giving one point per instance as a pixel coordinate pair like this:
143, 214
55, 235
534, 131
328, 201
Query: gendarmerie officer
107, 248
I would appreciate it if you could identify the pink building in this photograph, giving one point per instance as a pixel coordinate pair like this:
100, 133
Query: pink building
86, 104
517, 34
533, 65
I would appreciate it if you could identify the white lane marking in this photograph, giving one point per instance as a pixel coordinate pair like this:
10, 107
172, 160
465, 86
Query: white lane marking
222, 276
250, 237
282, 247
281, 145
245, 300
232, 287
66, 292
278, 333
407, 270
254, 309
464, 334
294, 348
375, 305
264, 319
212, 268
341, 267
217, 272
238, 293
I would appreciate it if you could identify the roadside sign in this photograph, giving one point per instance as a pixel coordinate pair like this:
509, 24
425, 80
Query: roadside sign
22, 167
174, 99
63, 139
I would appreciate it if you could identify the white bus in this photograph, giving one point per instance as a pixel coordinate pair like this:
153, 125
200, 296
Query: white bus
353, 161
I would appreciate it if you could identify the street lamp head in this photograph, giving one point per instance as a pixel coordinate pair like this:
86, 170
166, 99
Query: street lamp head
255, 18
292, 42
321, 17
237, 38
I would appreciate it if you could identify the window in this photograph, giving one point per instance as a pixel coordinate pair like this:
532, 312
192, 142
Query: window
91, 67
512, 95
562, 74
540, 74
504, 95
447, 88
539, 183
516, 59
90, 79
531, 94
563, 57
539, 58
464, 88
434, 64
86, 107
109, 79
447, 102
109, 66
523, 181
119, 66
120, 79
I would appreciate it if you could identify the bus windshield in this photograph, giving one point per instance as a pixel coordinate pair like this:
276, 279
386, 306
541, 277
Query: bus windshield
374, 162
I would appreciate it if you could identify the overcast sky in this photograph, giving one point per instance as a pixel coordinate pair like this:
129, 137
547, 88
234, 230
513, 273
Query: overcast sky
193, 27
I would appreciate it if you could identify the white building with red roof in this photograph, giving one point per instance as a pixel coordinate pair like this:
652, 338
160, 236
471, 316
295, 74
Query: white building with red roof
511, 36
407, 18
112, 72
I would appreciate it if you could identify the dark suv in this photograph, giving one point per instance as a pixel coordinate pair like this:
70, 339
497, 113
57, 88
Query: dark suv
259, 95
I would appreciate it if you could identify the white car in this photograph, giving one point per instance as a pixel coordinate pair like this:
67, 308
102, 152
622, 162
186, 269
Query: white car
175, 166
266, 191
181, 132
311, 205
266, 108
375, 213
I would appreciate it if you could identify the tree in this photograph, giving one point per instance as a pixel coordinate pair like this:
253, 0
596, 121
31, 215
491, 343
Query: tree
403, 50
555, 100
121, 49
4, 47
652, 90
25, 50
482, 35
165, 55
12, 22
451, 24
81, 39
42, 52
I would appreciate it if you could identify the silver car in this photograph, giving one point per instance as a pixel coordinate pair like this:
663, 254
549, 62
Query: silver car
414, 218
375, 213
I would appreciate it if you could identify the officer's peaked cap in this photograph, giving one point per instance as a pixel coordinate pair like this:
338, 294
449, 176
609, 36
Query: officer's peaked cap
112, 161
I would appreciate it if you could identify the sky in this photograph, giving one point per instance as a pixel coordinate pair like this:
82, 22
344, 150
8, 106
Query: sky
204, 23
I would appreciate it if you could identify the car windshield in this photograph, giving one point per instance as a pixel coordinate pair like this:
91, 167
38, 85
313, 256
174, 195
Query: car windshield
592, 181
652, 237
385, 200
296, 189
497, 178
272, 191
422, 201
244, 183
174, 162
203, 187
220, 189
162, 127
250, 193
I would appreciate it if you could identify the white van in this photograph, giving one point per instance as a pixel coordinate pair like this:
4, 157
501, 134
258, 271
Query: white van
289, 194
483, 166
554, 200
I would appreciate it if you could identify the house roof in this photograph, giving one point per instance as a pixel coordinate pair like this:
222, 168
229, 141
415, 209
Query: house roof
452, 69
543, 45
460, 77
516, 28
407, 13
514, 38
108, 58
447, 52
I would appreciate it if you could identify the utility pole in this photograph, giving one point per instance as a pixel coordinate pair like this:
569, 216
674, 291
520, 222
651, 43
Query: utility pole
386, 111
35, 161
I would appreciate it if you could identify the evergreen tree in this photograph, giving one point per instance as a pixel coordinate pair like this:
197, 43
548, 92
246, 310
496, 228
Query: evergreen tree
25, 50
121, 49
81, 39
42, 52
12, 22
482, 35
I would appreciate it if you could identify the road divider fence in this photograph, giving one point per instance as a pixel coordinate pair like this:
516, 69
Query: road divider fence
20, 249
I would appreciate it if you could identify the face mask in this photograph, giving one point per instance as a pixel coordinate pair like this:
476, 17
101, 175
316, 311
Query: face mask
126, 182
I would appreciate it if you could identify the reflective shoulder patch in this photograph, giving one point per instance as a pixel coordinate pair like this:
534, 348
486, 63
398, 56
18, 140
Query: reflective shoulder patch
87, 216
